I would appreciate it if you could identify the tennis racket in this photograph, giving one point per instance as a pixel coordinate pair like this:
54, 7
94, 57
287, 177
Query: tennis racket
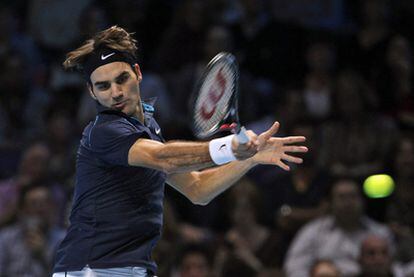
215, 96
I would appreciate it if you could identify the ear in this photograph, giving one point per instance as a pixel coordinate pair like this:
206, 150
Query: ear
91, 93
137, 70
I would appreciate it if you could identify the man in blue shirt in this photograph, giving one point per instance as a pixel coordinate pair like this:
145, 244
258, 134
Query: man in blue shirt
123, 163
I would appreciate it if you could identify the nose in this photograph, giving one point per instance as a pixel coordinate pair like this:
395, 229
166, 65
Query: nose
117, 91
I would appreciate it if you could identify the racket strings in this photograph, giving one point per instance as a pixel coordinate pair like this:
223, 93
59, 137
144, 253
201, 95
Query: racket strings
214, 100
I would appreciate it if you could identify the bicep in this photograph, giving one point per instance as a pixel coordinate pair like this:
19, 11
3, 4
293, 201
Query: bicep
144, 153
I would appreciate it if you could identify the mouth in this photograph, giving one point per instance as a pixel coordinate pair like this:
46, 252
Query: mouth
119, 105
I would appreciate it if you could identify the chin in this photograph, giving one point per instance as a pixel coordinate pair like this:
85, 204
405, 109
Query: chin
128, 111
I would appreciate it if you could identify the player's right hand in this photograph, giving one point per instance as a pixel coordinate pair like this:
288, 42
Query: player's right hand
274, 150
246, 150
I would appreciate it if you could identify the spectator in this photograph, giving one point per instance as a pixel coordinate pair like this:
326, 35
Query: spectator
400, 210
324, 268
319, 79
353, 125
394, 83
376, 260
33, 168
366, 49
62, 143
248, 244
182, 41
194, 261
59, 27
27, 247
336, 236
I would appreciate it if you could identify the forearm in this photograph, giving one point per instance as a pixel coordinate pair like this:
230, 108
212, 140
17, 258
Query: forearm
214, 181
182, 156
202, 186
171, 157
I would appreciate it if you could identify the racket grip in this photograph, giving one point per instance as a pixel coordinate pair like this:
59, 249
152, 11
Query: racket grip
242, 136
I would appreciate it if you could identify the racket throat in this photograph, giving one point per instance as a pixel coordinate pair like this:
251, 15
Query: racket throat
232, 127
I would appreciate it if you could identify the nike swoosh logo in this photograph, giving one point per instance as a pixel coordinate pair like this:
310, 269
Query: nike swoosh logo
222, 147
104, 57
157, 131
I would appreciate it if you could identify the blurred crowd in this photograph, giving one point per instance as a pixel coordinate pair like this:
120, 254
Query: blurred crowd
339, 72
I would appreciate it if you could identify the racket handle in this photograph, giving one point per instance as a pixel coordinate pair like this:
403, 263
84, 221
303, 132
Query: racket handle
242, 136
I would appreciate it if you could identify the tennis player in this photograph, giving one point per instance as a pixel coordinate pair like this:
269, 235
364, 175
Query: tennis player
123, 163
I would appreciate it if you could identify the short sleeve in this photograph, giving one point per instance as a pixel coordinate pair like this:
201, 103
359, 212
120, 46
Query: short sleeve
112, 140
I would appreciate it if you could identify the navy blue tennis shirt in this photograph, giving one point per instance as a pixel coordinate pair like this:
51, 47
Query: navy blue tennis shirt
116, 216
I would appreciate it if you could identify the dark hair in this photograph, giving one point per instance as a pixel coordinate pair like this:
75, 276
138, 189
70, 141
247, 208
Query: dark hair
114, 37
28, 188
195, 248
336, 181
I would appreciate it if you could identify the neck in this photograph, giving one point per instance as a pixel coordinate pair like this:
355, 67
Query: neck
139, 113
140, 116
348, 225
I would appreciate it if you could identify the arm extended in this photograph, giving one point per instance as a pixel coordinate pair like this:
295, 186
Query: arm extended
182, 156
202, 186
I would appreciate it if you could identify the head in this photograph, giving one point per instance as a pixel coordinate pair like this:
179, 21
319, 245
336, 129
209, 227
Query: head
351, 95
245, 200
399, 55
218, 39
346, 202
34, 164
403, 160
375, 256
320, 56
195, 261
60, 128
108, 62
374, 11
35, 206
324, 268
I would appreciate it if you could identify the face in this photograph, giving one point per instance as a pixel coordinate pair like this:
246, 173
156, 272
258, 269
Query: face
350, 102
37, 202
325, 269
116, 86
194, 265
242, 213
375, 257
35, 162
37, 208
404, 161
346, 201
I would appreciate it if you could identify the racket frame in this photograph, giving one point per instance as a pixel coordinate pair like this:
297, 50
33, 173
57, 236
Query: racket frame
230, 120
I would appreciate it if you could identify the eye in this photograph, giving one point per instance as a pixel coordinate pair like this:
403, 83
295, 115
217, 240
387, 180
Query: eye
103, 86
122, 79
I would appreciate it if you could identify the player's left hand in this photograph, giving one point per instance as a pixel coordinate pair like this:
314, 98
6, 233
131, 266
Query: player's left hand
274, 150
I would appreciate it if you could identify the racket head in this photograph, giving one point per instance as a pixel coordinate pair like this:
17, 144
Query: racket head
214, 99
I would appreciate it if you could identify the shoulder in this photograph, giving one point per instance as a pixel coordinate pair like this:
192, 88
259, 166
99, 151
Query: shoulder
111, 125
318, 226
376, 227
325, 222
109, 121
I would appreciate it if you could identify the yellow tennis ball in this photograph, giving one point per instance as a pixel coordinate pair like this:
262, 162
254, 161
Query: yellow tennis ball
378, 186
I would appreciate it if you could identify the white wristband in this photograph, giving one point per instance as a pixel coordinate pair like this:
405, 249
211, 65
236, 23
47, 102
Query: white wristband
220, 150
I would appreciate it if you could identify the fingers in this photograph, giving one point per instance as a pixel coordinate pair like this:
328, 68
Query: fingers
292, 159
295, 149
271, 131
283, 166
293, 139
252, 136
